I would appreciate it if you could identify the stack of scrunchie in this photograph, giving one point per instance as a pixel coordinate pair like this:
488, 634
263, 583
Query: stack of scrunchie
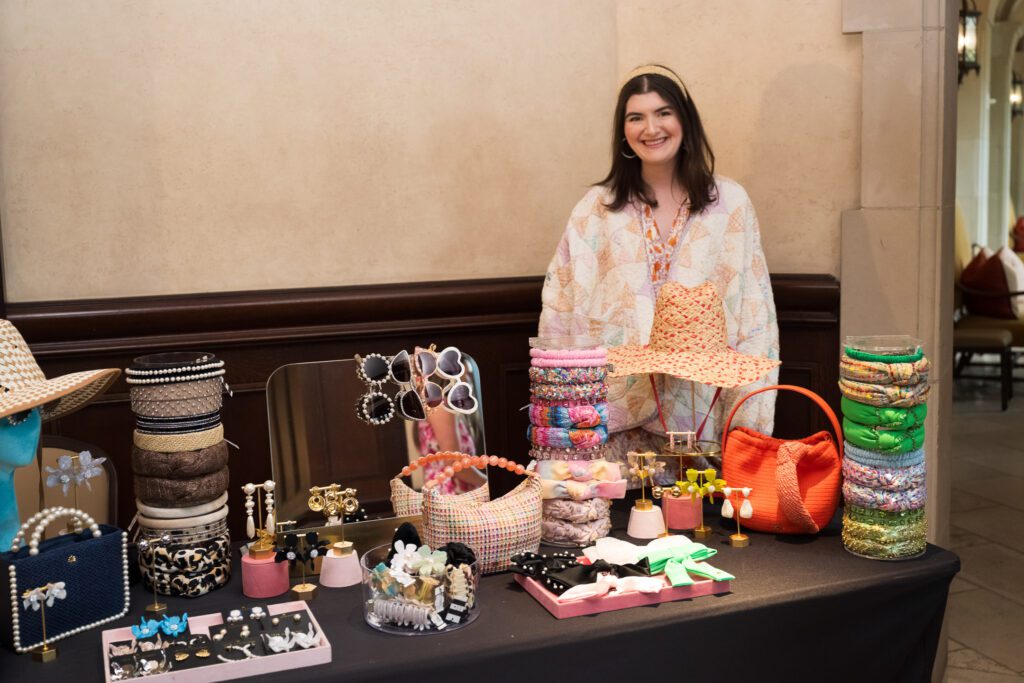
568, 431
180, 463
884, 406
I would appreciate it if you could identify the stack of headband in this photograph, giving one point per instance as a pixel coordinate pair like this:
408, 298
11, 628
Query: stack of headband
884, 408
568, 431
180, 465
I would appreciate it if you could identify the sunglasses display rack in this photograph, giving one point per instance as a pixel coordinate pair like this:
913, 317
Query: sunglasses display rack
427, 380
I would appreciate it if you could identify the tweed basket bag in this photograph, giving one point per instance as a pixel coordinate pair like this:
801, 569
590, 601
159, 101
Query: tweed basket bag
497, 529
408, 502
82, 578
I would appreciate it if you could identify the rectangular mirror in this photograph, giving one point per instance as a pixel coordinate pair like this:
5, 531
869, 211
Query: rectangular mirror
317, 439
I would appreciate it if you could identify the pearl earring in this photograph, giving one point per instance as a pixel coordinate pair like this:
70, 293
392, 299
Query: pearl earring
268, 500
250, 523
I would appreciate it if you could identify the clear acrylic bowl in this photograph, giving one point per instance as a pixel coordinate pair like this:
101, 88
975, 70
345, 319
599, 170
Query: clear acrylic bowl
380, 606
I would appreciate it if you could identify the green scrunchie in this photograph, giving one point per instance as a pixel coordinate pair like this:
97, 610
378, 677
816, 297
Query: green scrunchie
881, 358
883, 440
883, 417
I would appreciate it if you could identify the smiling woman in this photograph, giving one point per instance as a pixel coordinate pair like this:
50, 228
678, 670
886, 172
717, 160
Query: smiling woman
662, 215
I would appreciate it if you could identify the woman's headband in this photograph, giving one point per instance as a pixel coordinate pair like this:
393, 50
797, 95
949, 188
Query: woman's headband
654, 69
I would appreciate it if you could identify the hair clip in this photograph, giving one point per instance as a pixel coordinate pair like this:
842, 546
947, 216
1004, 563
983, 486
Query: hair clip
174, 626
244, 649
147, 646
120, 672
305, 640
151, 667
121, 650
146, 629
257, 613
279, 643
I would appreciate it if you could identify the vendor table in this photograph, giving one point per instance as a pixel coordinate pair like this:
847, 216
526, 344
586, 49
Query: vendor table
801, 608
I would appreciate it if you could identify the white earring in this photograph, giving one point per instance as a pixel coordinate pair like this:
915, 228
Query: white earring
269, 487
746, 510
727, 508
250, 524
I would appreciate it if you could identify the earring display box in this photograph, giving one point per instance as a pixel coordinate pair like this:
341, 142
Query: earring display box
565, 609
201, 625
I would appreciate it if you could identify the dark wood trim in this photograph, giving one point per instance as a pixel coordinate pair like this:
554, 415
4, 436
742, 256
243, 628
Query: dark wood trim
256, 332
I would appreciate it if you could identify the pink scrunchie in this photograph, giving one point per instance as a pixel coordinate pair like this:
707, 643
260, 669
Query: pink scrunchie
568, 362
598, 352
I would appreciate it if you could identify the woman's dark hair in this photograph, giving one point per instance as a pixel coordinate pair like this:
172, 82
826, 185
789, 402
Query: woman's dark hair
695, 163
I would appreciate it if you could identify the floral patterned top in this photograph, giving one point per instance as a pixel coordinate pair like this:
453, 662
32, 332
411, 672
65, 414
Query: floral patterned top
659, 252
601, 283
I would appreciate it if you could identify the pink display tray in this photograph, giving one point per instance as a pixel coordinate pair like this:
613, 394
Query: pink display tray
224, 671
564, 609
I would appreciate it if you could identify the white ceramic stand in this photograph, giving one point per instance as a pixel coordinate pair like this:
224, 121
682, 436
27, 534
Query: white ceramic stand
340, 566
645, 521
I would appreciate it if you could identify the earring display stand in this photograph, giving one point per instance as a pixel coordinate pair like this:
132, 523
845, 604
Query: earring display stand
681, 514
340, 566
645, 521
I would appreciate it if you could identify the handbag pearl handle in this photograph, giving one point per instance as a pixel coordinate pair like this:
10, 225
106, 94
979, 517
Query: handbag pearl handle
476, 461
43, 519
800, 390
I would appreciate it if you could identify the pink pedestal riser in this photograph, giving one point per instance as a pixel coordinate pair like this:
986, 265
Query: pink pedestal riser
681, 514
645, 523
563, 609
339, 571
263, 578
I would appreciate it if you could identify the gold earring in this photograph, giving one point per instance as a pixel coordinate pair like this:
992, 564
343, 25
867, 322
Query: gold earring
203, 653
180, 656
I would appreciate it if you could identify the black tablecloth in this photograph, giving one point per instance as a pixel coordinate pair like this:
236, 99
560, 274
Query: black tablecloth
801, 609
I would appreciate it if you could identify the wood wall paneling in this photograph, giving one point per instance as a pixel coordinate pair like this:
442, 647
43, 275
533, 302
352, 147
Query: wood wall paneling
256, 332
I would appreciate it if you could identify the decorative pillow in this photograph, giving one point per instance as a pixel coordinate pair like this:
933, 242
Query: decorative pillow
986, 274
1013, 268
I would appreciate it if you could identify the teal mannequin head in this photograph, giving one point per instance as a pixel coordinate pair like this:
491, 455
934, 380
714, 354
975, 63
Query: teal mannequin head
27, 399
19, 435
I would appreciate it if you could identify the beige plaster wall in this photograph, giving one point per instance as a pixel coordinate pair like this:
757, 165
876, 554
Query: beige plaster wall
196, 146
778, 91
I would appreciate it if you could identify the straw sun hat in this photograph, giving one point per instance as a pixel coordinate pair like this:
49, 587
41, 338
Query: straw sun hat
25, 386
689, 341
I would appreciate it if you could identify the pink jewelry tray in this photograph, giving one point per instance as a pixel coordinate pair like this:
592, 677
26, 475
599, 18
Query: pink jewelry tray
564, 609
223, 671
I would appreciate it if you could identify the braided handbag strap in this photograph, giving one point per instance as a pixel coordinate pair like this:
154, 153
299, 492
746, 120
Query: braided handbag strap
800, 390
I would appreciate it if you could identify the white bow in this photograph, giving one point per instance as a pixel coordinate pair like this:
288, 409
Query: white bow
607, 583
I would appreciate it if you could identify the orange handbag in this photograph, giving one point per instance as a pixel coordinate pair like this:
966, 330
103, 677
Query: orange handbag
795, 484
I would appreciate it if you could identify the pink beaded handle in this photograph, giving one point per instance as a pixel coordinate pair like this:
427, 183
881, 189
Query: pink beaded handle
478, 461
432, 457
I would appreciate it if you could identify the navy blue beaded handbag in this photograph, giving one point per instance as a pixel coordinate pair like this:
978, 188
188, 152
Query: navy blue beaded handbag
82, 579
